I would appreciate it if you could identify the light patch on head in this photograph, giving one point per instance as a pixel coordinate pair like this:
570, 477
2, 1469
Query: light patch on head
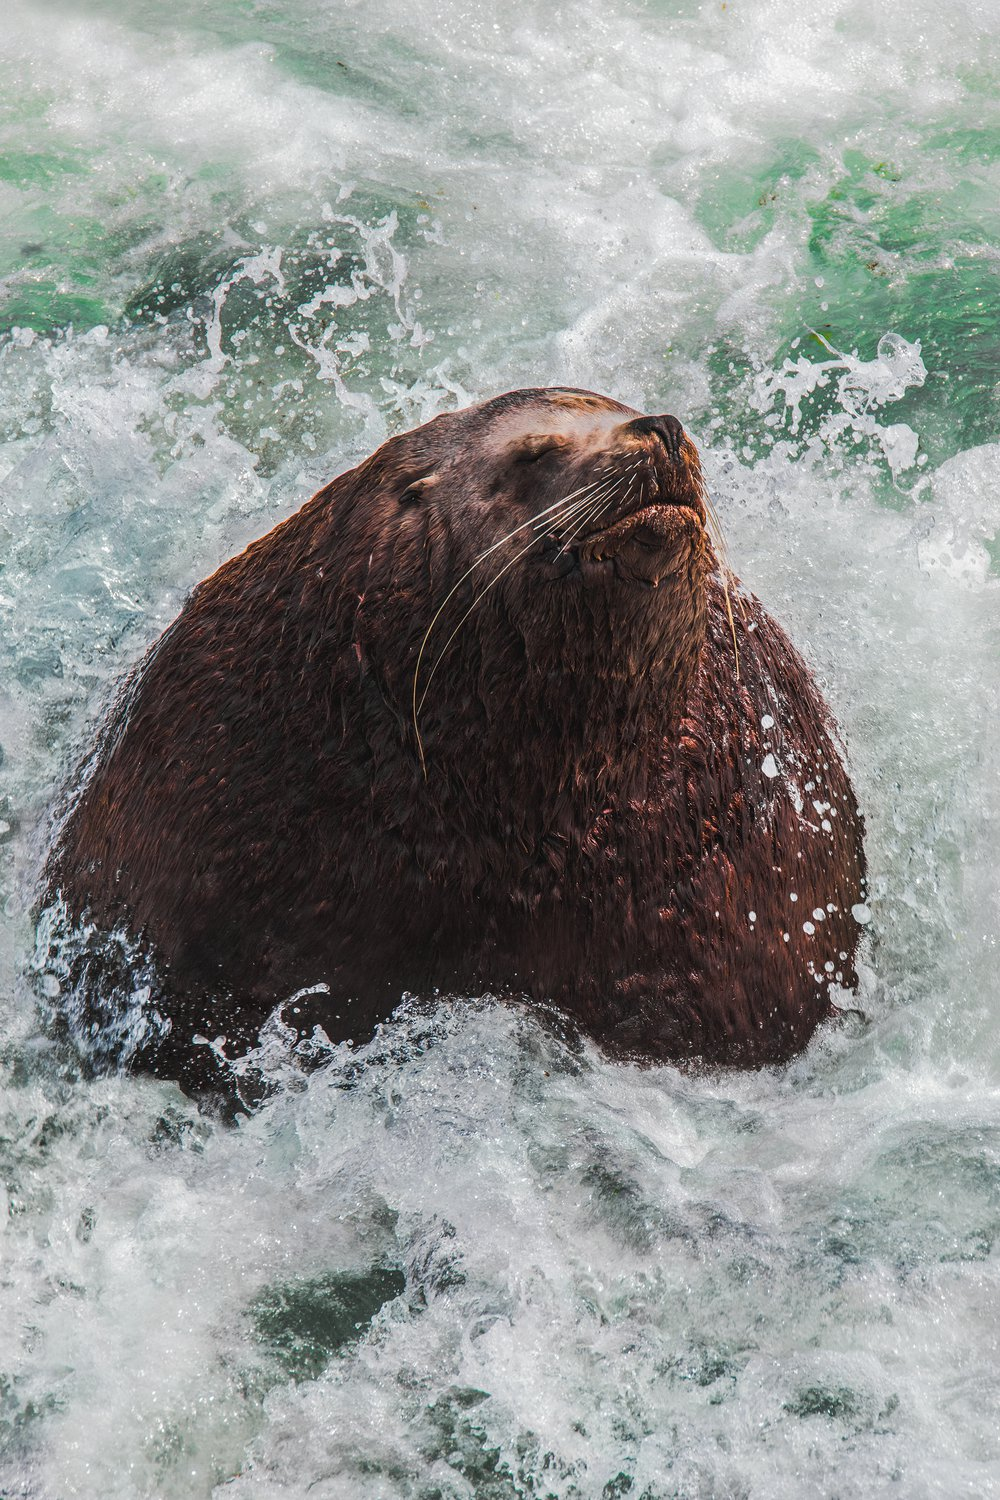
586, 401
564, 422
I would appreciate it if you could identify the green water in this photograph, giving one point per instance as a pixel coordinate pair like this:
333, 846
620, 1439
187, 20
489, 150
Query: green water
239, 244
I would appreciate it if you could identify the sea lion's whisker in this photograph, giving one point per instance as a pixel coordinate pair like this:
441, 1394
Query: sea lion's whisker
599, 504
597, 512
714, 528
591, 506
582, 506
532, 521
585, 492
732, 624
726, 574
558, 505
589, 517
602, 498
509, 564
444, 650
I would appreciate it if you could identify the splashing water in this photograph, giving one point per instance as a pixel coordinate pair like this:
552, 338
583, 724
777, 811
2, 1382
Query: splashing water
862, 386
242, 244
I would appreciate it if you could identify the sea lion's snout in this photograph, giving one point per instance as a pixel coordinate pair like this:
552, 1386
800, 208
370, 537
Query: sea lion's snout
667, 429
659, 512
670, 467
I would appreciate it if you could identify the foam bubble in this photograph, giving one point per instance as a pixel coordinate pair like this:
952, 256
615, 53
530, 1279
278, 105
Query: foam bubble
469, 1256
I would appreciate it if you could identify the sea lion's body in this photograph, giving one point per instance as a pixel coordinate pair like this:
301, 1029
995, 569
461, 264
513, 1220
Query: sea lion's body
579, 802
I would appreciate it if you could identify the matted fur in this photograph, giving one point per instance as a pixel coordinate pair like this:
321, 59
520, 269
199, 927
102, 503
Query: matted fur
571, 804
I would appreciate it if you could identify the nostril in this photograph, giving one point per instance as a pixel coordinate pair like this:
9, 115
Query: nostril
667, 429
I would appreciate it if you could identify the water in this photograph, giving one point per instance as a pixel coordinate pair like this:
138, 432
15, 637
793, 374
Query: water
242, 242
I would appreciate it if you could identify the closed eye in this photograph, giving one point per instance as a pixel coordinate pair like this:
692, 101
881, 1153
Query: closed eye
536, 448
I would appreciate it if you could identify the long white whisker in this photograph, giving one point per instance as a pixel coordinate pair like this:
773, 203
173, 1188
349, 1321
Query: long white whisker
621, 500
580, 505
598, 507
532, 521
714, 527
602, 498
599, 504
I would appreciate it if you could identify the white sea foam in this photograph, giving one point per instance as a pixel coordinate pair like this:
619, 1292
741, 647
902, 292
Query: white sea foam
594, 1279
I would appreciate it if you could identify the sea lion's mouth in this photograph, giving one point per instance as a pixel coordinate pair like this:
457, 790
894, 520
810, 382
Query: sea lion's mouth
643, 546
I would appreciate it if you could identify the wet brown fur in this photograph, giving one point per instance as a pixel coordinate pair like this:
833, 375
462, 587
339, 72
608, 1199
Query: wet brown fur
591, 826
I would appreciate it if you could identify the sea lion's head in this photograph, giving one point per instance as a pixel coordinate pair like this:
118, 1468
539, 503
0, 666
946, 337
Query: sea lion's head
582, 485
546, 545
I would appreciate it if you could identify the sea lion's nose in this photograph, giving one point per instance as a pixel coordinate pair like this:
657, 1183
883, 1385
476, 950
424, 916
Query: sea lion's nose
667, 429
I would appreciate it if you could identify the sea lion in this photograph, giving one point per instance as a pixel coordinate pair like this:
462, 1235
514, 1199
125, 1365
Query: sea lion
486, 714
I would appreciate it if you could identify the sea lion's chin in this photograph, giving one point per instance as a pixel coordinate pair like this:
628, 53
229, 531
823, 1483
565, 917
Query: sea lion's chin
644, 547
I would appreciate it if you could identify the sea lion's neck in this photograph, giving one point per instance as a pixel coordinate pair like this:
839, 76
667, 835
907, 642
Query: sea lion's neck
569, 721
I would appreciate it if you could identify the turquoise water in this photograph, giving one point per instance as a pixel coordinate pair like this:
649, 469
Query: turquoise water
241, 242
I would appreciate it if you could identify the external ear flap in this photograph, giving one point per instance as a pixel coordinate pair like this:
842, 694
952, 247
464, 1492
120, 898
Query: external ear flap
417, 489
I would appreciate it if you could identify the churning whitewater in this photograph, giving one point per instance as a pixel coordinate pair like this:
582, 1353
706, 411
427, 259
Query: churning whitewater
471, 1258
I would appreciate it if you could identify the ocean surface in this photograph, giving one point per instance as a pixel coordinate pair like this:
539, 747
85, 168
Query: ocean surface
240, 242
